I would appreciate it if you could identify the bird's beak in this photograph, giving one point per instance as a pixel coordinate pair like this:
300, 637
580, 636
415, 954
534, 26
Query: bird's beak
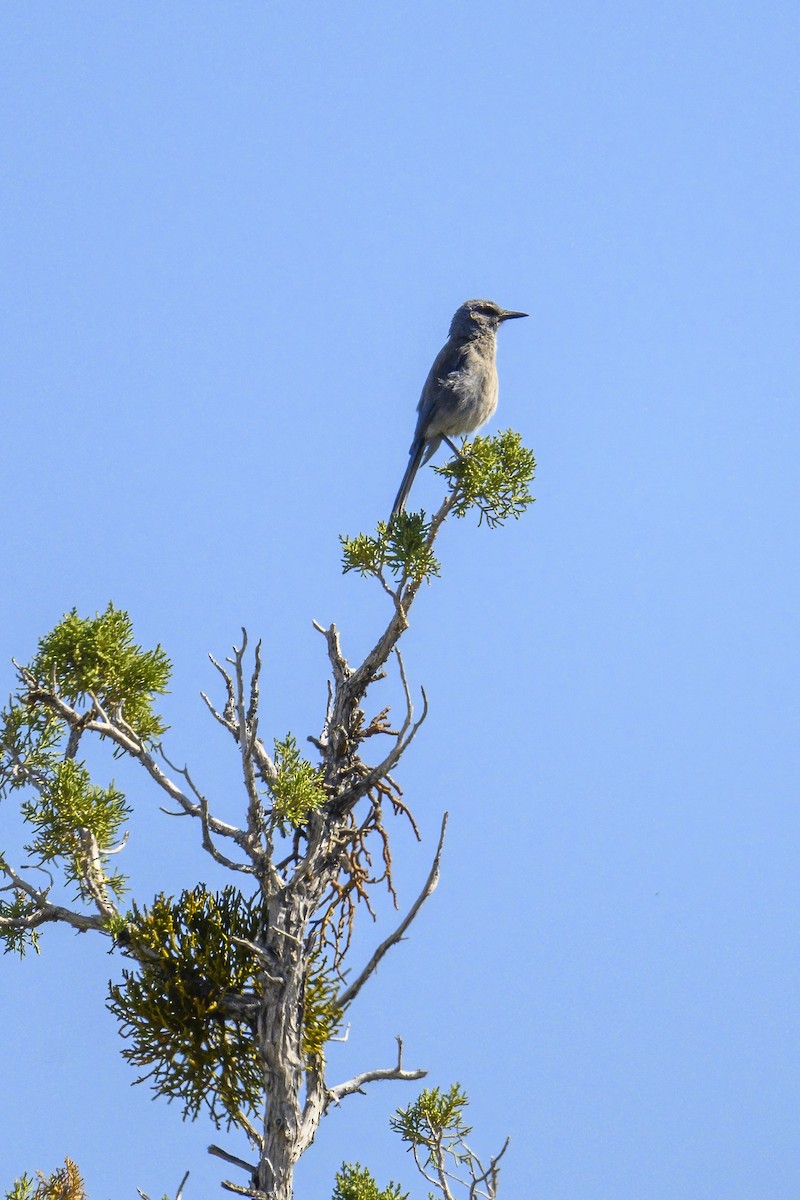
508, 315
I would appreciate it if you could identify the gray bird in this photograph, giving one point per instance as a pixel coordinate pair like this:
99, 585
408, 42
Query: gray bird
460, 393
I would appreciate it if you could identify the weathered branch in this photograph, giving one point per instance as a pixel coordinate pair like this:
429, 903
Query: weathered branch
349, 994
339, 664
218, 1152
120, 733
248, 732
253, 1193
263, 956
205, 821
487, 1175
358, 1082
404, 736
360, 679
43, 911
93, 875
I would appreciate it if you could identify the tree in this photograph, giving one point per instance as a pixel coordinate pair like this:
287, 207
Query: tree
230, 998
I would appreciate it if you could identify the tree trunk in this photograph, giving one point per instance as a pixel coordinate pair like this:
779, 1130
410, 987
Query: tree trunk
280, 1044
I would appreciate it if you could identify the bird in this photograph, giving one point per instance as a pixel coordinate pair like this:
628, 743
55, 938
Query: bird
460, 393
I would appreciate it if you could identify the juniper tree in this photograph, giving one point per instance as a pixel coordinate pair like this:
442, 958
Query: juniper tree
228, 999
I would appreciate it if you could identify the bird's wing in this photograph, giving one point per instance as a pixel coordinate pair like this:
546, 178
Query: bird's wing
442, 377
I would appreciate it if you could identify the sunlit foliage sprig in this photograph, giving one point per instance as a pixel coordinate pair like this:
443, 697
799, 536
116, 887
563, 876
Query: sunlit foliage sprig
297, 791
66, 804
434, 1120
16, 940
29, 740
354, 1182
403, 549
97, 656
65, 1183
493, 475
490, 474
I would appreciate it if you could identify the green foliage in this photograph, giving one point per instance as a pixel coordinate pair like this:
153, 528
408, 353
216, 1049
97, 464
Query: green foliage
64, 1184
22, 1189
17, 940
363, 553
354, 1182
68, 802
171, 1010
404, 548
297, 791
322, 1018
408, 549
493, 474
29, 739
434, 1124
81, 658
97, 656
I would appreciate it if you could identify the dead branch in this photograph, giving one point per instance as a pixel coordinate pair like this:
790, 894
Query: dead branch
349, 994
359, 1082
218, 1152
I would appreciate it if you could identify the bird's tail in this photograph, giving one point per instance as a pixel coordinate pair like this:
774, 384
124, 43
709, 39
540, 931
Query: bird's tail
414, 462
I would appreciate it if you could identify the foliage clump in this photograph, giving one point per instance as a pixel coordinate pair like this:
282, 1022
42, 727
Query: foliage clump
67, 806
435, 1131
492, 474
97, 657
173, 1008
16, 938
434, 1119
404, 548
189, 1009
297, 790
64, 1184
354, 1182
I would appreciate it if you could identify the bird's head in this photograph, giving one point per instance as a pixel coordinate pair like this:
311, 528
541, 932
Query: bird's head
480, 316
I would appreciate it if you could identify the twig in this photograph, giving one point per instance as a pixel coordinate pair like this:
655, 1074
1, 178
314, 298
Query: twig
350, 993
358, 1082
218, 1152
488, 1175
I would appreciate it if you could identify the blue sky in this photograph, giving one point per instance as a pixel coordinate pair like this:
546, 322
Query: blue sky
233, 240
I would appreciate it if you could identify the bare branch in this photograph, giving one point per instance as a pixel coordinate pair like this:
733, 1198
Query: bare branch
93, 876
218, 1152
120, 733
339, 664
205, 819
42, 911
229, 710
350, 993
357, 1084
487, 1175
253, 1193
216, 854
404, 737
252, 711
217, 716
